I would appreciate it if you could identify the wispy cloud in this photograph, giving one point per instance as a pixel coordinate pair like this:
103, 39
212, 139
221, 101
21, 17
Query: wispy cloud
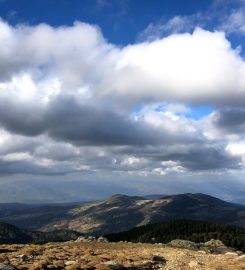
227, 16
102, 3
177, 24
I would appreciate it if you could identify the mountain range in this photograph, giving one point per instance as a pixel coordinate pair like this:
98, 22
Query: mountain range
121, 213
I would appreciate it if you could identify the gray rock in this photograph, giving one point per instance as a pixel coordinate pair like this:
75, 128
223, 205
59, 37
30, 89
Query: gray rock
114, 265
91, 238
81, 239
102, 239
6, 267
217, 247
214, 243
184, 244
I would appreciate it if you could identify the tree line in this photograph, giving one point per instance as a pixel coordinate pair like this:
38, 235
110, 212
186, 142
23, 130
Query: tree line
196, 231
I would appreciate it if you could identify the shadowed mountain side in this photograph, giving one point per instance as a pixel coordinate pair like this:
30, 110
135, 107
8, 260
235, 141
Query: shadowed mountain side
32, 217
10, 234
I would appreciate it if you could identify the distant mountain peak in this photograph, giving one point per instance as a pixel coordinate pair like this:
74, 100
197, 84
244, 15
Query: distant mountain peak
124, 197
192, 195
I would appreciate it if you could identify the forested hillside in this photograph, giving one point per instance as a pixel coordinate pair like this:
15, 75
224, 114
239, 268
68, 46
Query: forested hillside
196, 231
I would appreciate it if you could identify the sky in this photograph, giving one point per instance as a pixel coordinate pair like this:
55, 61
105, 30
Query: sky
99, 97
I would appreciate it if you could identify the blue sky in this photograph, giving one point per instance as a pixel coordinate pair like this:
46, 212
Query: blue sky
121, 96
121, 21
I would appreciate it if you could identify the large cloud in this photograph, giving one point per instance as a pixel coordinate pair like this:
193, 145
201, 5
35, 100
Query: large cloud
72, 103
200, 67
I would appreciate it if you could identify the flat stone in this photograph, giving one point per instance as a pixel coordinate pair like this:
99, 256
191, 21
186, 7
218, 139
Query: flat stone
202, 251
231, 253
70, 263
114, 265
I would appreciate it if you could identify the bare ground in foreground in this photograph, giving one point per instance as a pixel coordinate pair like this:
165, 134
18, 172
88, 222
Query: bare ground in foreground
103, 256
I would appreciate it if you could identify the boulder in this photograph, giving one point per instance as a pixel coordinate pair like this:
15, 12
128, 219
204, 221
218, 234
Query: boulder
184, 244
91, 238
102, 239
214, 243
81, 239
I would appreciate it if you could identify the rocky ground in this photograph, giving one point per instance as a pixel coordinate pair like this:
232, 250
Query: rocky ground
95, 255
